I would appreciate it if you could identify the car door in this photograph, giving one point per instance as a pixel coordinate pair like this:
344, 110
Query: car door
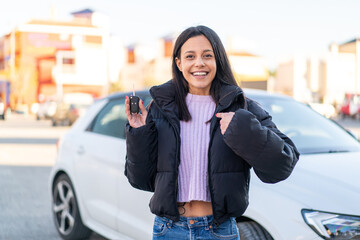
98, 166
134, 217
110, 199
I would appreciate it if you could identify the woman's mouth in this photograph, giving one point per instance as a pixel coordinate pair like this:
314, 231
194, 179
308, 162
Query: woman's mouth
200, 73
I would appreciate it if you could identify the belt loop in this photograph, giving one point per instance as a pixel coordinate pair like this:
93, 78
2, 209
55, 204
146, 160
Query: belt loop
206, 222
169, 223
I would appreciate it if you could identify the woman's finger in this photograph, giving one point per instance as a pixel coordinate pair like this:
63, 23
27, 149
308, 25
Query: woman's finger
225, 115
225, 119
127, 107
143, 112
142, 107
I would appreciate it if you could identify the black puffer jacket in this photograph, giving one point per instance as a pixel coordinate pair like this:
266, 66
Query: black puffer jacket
251, 140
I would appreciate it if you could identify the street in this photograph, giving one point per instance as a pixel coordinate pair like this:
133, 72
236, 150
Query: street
27, 152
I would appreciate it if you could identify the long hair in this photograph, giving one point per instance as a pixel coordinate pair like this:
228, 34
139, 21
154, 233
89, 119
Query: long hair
223, 74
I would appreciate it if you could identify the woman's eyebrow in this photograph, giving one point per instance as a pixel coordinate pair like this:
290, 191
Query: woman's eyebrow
191, 51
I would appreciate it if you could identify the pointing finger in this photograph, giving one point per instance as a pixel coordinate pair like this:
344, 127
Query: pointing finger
219, 115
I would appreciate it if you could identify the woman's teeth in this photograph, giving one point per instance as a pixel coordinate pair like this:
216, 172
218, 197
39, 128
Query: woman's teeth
199, 73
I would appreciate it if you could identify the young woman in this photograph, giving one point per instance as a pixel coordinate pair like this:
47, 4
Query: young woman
197, 141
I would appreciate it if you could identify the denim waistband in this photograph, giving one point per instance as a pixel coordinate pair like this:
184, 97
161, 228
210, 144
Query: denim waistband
190, 221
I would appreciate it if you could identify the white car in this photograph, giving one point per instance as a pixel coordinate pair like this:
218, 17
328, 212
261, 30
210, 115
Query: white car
320, 200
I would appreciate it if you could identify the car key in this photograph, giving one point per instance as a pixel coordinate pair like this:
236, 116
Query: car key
134, 103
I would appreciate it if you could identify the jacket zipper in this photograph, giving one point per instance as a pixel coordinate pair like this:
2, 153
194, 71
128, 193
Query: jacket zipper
209, 165
177, 152
209, 173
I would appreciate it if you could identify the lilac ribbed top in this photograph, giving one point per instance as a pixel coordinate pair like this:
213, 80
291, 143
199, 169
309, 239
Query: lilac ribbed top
195, 137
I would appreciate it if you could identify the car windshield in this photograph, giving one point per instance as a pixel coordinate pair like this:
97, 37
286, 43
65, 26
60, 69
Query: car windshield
311, 132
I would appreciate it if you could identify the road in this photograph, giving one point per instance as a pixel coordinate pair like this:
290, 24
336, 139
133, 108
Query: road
27, 152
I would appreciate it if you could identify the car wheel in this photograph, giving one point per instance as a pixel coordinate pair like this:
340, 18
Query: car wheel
252, 231
66, 211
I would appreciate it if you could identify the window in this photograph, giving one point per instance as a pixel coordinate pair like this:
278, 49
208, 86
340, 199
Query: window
131, 55
111, 120
311, 132
68, 61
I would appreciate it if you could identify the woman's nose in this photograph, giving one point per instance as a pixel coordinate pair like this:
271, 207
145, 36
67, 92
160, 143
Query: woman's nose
200, 62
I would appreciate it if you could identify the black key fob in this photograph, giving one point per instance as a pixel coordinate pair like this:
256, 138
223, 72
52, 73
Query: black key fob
134, 104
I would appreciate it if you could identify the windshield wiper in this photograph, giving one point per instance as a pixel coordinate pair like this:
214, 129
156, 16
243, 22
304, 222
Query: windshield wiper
329, 149
325, 151
337, 151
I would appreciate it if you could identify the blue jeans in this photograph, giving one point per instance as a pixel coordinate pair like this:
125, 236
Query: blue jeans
194, 228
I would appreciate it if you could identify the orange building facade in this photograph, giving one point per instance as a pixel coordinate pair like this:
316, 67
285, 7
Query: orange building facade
42, 60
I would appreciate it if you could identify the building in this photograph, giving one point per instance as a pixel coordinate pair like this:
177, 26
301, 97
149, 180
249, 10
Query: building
147, 65
295, 77
341, 68
323, 79
250, 71
151, 65
43, 59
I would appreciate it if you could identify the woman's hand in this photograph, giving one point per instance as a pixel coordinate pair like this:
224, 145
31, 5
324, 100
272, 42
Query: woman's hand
135, 119
225, 120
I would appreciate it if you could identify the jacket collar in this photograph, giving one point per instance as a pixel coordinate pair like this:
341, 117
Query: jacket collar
228, 93
164, 98
163, 95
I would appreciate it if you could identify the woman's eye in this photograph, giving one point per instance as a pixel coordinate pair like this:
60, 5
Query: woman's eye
189, 56
208, 56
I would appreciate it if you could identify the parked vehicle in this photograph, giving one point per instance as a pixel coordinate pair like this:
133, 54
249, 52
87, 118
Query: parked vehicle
71, 108
350, 106
320, 200
46, 110
2, 109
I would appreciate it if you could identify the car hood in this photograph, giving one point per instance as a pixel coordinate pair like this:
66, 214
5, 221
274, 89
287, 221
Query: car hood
327, 182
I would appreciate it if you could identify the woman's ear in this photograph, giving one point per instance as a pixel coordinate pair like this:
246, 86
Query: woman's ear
178, 64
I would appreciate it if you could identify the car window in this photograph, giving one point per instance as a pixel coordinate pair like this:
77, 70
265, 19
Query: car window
112, 119
311, 132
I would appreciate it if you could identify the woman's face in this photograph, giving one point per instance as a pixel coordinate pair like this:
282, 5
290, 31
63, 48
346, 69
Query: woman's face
197, 64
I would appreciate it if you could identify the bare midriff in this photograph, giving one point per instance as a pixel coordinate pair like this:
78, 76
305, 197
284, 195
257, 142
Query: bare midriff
195, 209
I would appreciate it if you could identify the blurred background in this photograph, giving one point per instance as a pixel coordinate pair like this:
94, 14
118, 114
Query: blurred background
58, 56
48, 49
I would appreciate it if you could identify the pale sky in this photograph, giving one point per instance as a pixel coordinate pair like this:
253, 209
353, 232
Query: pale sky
274, 29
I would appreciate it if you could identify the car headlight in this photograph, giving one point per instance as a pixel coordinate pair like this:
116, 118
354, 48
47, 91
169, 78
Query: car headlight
331, 225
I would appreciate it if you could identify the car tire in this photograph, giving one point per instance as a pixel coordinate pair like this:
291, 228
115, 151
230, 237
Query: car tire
66, 211
251, 230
